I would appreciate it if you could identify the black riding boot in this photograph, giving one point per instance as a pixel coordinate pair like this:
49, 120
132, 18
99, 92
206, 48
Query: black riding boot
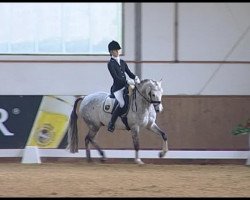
115, 115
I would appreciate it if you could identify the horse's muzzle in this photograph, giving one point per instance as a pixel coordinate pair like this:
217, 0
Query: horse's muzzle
158, 107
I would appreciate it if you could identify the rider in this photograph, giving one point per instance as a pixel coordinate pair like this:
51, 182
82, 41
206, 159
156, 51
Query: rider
117, 68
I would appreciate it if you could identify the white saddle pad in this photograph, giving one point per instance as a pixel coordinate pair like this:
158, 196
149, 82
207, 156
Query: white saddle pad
108, 104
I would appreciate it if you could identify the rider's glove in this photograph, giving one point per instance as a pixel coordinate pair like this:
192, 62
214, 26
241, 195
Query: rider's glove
137, 80
130, 82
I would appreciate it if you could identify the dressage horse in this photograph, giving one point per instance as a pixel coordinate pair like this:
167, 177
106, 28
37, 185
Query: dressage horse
145, 102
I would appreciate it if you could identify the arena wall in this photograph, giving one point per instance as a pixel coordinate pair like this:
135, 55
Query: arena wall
199, 50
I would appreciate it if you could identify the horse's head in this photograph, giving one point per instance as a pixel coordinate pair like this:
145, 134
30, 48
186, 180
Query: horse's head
152, 92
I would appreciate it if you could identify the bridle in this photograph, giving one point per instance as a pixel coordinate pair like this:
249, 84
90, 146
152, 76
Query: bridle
155, 103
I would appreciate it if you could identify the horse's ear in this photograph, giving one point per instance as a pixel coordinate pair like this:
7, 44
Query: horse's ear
148, 90
159, 82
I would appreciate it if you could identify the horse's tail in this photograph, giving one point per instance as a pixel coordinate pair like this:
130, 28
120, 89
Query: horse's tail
72, 130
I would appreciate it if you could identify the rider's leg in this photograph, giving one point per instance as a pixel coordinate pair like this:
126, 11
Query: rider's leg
115, 115
119, 96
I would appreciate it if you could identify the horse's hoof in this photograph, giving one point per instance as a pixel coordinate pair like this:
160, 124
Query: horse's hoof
162, 154
103, 160
139, 162
89, 160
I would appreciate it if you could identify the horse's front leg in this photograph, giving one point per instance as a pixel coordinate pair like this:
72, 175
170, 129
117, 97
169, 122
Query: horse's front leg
135, 132
157, 130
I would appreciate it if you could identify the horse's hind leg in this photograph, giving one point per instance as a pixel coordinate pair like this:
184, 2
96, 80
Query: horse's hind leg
90, 138
157, 130
87, 140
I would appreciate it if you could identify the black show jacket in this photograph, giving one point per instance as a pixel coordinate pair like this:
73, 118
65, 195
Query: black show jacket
118, 73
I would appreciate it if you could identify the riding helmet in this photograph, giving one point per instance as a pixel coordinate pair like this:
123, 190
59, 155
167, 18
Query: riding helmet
113, 45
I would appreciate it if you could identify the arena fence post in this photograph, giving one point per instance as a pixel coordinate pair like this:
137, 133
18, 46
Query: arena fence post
248, 155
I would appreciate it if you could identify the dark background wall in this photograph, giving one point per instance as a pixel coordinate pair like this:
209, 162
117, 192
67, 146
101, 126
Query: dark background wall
192, 123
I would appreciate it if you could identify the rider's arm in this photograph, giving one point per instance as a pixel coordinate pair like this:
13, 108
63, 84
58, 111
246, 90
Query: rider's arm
131, 75
127, 70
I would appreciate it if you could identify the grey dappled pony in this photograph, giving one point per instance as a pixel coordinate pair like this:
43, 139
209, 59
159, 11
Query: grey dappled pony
145, 103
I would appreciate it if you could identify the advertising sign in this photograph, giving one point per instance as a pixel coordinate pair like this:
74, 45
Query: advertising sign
34, 121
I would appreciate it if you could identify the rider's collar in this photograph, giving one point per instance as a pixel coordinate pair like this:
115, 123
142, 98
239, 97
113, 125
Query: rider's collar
116, 58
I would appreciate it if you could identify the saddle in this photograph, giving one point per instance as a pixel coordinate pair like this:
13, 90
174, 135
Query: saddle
110, 103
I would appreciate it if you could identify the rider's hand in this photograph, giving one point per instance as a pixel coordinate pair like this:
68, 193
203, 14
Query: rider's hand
130, 82
137, 80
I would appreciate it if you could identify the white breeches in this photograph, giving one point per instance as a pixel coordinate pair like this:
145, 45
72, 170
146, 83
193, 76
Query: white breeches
119, 96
